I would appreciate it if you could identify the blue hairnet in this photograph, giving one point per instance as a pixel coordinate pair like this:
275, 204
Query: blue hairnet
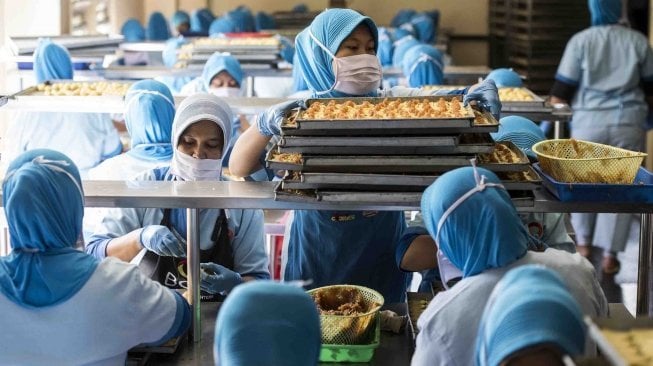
605, 12
300, 8
424, 28
221, 62
200, 20
149, 114
385, 47
530, 306
44, 204
267, 323
180, 17
484, 231
243, 19
401, 46
298, 82
406, 31
157, 27
133, 31
505, 78
264, 21
287, 51
330, 27
520, 131
403, 16
52, 62
435, 16
222, 25
169, 53
422, 65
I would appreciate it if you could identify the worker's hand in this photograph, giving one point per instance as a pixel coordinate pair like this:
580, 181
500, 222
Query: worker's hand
269, 122
486, 96
159, 239
217, 279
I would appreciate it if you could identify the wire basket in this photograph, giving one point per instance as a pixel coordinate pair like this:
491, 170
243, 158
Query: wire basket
576, 161
347, 329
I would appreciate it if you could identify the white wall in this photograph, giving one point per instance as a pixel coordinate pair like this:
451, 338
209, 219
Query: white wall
32, 17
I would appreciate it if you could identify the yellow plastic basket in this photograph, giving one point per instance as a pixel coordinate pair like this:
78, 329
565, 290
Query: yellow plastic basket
348, 329
576, 161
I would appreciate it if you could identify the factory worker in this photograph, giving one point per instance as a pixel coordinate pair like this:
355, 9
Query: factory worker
200, 21
417, 251
59, 305
424, 28
231, 240
264, 21
87, 138
386, 46
149, 112
243, 19
403, 16
505, 78
222, 25
133, 31
401, 46
157, 27
169, 56
267, 323
478, 231
531, 318
606, 74
422, 65
320, 242
300, 8
180, 22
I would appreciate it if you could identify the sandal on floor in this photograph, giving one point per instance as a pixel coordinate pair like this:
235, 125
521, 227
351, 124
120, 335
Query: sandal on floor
584, 250
610, 265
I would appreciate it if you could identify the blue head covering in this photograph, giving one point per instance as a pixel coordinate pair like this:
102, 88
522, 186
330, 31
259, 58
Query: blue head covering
44, 203
605, 12
287, 51
435, 16
281, 317
157, 27
169, 53
133, 31
180, 17
243, 19
298, 82
149, 112
300, 8
222, 25
331, 28
403, 16
52, 62
401, 46
483, 231
505, 78
521, 132
423, 65
200, 20
530, 306
221, 62
424, 27
385, 47
404, 31
264, 21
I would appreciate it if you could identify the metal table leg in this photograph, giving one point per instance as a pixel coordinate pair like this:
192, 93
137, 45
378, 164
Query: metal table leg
557, 129
249, 89
644, 283
193, 260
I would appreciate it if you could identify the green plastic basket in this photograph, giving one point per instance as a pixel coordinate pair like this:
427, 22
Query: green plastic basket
352, 353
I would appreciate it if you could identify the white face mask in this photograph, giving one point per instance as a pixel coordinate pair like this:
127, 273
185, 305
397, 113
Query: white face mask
188, 168
225, 92
355, 75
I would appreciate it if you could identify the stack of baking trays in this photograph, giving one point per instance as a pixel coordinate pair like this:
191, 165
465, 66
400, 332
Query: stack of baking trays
388, 150
252, 49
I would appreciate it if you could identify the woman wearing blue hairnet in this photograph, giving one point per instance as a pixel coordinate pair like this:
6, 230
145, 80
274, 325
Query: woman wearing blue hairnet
417, 251
133, 31
423, 65
59, 305
606, 73
231, 240
200, 21
157, 27
180, 22
337, 57
531, 318
87, 138
267, 323
471, 217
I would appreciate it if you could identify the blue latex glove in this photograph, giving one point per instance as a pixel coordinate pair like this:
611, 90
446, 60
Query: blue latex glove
486, 97
160, 240
269, 122
217, 279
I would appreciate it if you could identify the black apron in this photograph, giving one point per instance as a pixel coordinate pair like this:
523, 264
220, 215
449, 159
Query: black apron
171, 271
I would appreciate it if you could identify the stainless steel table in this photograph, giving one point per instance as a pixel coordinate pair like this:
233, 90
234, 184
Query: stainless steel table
559, 114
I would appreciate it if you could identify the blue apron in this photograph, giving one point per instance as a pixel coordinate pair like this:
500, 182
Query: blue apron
348, 247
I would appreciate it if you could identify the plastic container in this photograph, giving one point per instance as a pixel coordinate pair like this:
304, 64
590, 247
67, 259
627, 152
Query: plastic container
351, 353
641, 190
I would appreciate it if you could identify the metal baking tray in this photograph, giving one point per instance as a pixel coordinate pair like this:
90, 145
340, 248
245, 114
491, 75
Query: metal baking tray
388, 182
609, 350
537, 102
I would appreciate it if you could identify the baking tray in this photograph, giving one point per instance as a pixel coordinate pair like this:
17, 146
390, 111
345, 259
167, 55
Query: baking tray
609, 350
35, 95
537, 102
31, 98
387, 182
640, 191
417, 302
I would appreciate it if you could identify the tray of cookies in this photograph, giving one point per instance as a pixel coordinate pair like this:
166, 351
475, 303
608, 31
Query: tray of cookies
623, 342
387, 116
519, 97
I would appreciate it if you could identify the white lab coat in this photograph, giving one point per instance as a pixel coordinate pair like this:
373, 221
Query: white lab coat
449, 325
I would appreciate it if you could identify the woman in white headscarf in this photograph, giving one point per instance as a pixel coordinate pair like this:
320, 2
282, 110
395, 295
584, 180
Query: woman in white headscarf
231, 241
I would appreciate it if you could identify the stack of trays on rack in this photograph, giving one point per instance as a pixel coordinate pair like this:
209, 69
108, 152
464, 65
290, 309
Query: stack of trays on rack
262, 49
388, 150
